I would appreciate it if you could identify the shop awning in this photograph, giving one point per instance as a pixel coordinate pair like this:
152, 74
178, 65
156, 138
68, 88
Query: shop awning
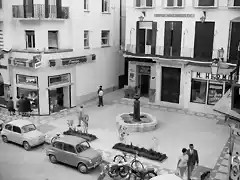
224, 106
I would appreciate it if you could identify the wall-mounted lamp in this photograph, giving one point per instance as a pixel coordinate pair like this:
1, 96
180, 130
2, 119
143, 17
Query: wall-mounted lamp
141, 18
220, 54
215, 66
203, 18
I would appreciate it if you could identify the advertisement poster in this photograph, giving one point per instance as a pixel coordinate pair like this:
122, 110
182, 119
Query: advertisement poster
215, 92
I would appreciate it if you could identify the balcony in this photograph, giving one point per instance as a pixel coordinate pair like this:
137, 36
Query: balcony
184, 53
40, 12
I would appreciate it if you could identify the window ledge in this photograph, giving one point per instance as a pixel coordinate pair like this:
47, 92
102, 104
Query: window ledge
145, 7
105, 46
174, 7
205, 7
86, 10
234, 7
106, 13
87, 47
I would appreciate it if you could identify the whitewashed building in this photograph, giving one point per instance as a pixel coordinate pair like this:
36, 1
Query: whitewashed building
61, 50
171, 44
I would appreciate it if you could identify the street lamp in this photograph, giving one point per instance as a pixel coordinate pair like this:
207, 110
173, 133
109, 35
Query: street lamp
215, 66
141, 18
203, 18
220, 54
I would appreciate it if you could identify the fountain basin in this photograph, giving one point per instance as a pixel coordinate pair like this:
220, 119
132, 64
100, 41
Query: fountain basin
147, 122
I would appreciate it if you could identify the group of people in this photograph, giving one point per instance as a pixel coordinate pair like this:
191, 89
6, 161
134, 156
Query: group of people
188, 161
23, 106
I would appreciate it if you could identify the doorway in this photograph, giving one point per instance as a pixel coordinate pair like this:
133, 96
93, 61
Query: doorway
170, 84
172, 38
203, 44
59, 99
144, 80
234, 41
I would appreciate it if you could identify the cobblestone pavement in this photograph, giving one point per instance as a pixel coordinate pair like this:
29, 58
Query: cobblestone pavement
218, 172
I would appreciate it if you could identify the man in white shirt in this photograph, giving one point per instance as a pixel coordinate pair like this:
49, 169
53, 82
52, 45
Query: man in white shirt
100, 96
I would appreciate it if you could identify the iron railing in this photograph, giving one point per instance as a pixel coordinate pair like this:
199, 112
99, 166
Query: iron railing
40, 11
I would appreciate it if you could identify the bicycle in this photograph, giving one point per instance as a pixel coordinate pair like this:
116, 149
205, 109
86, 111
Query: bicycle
134, 164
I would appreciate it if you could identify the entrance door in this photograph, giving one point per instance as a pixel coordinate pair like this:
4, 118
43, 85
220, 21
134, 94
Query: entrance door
172, 38
234, 41
170, 84
144, 85
203, 45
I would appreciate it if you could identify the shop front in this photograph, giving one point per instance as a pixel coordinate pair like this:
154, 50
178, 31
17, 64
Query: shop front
59, 90
27, 87
205, 89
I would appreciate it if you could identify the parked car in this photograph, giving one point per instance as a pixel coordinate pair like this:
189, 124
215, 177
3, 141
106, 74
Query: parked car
74, 151
22, 132
1, 125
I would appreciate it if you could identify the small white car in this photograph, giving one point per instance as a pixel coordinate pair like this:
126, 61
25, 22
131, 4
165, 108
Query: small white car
22, 132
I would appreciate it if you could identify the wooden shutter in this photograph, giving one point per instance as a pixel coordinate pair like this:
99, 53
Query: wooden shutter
103, 5
154, 38
167, 38
177, 38
46, 9
59, 8
149, 37
137, 36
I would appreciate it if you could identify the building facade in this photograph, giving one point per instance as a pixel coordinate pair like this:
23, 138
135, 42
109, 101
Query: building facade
58, 52
171, 44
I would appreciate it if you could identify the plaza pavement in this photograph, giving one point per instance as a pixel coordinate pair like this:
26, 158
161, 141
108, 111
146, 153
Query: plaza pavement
177, 128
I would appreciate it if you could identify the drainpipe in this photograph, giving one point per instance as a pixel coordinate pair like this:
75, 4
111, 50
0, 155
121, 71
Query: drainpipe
120, 26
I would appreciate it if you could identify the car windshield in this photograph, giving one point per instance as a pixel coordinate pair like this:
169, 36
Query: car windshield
28, 128
82, 147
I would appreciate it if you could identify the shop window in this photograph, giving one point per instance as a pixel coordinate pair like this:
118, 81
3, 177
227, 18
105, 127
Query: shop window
52, 39
215, 93
198, 91
30, 39
32, 95
30, 80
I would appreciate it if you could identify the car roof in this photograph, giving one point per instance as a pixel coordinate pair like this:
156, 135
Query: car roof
72, 140
20, 123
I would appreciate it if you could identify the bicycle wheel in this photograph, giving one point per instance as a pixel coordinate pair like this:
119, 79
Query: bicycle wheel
137, 165
150, 175
119, 159
124, 171
53, 139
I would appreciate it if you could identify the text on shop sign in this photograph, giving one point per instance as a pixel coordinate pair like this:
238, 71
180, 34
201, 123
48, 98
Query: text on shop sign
209, 76
175, 15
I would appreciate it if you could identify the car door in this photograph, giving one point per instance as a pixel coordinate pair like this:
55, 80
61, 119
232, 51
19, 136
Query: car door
17, 135
70, 155
8, 131
58, 151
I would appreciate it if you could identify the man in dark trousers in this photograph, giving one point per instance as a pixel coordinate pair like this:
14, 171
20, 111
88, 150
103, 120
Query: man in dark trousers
192, 160
21, 105
100, 96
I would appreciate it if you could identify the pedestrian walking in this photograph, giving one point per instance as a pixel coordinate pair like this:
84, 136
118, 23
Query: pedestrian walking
10, 106
182, 163
17, 104
84, 124
21, 105
100, 96
80, 115
193, 160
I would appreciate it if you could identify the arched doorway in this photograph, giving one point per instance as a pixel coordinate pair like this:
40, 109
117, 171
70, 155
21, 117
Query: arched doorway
234, 39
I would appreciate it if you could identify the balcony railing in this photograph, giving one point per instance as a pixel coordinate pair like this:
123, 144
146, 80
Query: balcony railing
40, 11
185, 52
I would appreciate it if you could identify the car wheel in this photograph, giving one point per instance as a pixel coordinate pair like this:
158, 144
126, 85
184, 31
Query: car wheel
53, 159
82, 168
5, 139
26, 146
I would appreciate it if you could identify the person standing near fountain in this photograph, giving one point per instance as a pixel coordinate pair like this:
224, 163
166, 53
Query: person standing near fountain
136, 109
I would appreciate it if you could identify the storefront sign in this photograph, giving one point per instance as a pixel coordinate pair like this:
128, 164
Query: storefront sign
209, 76
144, 69
175, 15
59, 79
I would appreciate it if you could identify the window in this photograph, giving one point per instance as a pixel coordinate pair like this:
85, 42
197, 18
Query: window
174, 3
215, 92
60, 79
236, 3
86, 5
149, 37
16, 129
82, 147
58, 145
105, 5
86, 39
30, 39
69, 148
52, 39
8, 127
29, 128
30, 80
198, 91
206, 3
105, 38
144, 3
0, 4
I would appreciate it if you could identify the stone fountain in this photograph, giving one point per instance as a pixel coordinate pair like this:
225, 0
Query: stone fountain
137, 121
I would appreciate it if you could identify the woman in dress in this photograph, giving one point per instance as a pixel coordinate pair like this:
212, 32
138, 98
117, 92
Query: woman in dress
182, 163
